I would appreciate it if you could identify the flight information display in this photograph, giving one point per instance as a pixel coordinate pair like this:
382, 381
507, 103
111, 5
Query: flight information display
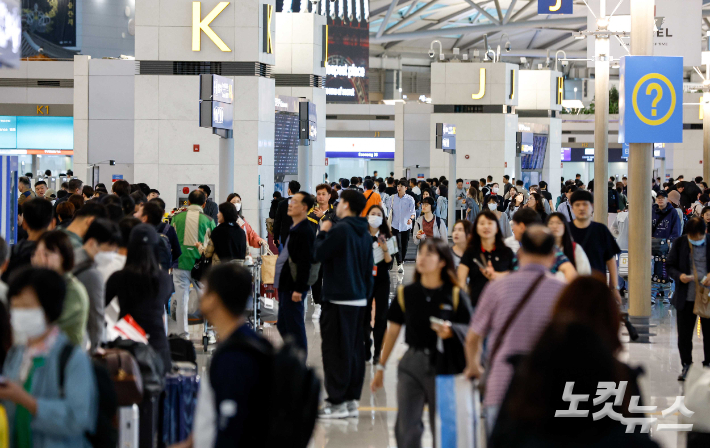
286, 144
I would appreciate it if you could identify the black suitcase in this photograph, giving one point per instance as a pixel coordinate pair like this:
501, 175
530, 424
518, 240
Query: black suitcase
149, 411
181, 350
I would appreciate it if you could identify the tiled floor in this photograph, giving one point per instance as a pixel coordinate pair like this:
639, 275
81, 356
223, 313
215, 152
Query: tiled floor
374, 428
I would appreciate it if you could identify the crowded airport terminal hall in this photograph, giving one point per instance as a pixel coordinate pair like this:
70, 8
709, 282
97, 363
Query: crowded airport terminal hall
354, 223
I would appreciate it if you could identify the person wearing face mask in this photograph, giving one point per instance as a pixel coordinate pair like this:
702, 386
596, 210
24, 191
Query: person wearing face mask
428, 225
253, 238
54, 251
688, 265
228, 241
380, 231
102, 236
41, 412
152, 213
493, 205
493, 194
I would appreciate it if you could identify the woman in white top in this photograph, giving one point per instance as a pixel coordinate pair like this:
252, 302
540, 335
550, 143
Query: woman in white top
462, 230
563, 240
503, 220
428, 225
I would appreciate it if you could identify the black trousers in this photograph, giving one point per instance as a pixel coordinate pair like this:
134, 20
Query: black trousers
291, 319
458, 215
381, 299
343, 351
402, 243
686, 323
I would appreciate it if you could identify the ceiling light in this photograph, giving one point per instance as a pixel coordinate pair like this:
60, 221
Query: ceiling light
603, 23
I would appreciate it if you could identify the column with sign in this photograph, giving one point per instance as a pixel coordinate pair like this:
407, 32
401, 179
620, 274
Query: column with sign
446, 141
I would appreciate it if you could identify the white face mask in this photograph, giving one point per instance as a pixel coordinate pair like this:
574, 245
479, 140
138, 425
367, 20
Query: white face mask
104, 258
375, 221
495, 189
238, 205
27, 323
492, 207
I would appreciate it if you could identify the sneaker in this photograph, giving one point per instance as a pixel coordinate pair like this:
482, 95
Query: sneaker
352, 407
401, 269
333, 411
684, 372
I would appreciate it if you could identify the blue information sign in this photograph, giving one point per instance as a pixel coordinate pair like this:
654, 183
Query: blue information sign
222, 115
554, 6
651, 99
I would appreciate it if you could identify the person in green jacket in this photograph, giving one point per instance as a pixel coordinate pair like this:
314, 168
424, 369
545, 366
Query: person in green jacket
54, 251
192, 226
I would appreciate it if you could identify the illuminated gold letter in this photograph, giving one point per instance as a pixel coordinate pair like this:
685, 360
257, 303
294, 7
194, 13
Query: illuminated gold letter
556, 6
512, 84
204, 25
482, 86
560, 89
269, 16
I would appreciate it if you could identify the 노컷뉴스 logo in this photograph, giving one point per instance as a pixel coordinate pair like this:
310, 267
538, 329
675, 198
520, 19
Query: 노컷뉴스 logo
606, 390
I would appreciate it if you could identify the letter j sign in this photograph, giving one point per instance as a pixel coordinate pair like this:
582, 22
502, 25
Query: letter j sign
651, 99
554, 6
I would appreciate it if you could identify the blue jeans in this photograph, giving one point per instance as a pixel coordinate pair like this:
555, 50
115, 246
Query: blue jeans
182, 278
291, 319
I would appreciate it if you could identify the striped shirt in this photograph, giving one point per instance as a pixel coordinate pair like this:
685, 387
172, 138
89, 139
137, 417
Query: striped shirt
497, 302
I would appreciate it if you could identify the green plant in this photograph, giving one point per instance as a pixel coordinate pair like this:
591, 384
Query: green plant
613, 104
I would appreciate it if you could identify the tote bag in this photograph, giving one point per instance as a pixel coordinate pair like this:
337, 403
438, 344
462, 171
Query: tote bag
268, 267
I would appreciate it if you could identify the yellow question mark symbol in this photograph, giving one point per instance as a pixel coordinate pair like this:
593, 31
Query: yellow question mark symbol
556, 6
659, 94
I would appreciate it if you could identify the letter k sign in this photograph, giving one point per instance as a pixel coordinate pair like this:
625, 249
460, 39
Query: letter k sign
204, 25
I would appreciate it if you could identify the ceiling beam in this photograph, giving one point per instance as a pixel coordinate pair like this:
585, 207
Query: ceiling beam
532, 24
383, 25
500, 12
522, 10
483, 11
407, 18
509, 11
382, 9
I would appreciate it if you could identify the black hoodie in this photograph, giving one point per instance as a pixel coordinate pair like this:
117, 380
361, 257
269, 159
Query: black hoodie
345, 252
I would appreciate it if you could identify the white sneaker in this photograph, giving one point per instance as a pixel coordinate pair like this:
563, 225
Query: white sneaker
352, 407
316, 312
401, 269
333, 411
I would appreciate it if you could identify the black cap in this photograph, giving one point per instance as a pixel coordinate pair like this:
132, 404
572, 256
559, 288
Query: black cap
663, 193
143, 234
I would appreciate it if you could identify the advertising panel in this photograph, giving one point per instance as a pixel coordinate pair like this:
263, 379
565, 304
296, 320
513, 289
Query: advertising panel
359, 148
54, 20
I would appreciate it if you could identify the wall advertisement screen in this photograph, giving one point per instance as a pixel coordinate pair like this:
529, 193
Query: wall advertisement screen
54, 20
359, 148
36, 135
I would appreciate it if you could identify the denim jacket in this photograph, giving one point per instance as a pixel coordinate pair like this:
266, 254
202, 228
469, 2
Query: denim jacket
59, 422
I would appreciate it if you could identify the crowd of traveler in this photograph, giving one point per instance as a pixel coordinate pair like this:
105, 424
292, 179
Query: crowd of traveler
523, 281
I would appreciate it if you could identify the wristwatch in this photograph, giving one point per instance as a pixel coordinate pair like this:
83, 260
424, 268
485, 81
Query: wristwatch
380, 368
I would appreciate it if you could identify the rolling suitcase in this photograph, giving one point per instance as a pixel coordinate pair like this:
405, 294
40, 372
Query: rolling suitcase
128, 427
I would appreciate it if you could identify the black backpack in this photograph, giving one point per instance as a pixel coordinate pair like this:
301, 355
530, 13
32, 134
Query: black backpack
106, 435
294, 395
165, 250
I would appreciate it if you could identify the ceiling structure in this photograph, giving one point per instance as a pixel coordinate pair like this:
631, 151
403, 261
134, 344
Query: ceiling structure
407, 27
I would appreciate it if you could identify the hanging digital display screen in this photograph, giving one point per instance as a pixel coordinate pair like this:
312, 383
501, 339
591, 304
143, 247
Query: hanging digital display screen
54, 20
36, 133
286, 131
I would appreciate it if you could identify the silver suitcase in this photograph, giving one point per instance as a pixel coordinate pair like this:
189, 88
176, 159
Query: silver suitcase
128, 427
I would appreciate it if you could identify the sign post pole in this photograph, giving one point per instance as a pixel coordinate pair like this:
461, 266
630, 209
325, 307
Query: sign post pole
640, 173
706, 134
601, 119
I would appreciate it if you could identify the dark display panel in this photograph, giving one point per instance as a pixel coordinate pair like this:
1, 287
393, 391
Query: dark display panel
285, 145
536, 159
54, 20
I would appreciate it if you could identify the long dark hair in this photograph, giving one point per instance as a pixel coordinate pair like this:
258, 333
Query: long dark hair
567, 246
142, 263
474, 241
539, 206
384, 227
235, 195
441, 248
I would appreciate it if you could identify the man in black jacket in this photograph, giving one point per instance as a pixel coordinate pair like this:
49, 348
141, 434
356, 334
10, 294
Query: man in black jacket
37, 216
684, 274
211, 208
282, 222
345, 252
298, 253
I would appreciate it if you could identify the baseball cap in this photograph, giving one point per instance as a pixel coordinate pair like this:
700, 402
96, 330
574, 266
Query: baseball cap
663, 193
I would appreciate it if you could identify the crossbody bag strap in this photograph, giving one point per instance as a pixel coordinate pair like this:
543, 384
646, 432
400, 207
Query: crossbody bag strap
698, 285
511, 319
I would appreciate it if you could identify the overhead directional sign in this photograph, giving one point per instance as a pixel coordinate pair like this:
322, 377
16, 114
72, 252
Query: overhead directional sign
651, 99
554, 7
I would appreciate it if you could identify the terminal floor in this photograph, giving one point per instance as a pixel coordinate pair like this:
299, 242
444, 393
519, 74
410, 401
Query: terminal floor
374, 427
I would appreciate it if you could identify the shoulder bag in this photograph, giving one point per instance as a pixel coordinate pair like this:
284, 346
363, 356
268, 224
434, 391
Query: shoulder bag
701, 307
504, 331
